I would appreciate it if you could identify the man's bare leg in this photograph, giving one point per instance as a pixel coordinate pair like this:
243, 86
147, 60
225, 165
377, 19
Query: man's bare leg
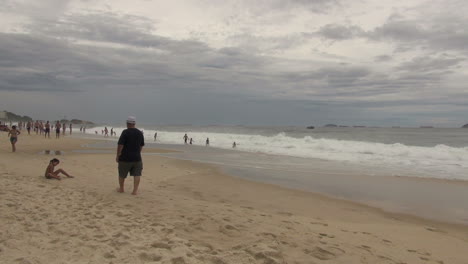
136, 183
121, 185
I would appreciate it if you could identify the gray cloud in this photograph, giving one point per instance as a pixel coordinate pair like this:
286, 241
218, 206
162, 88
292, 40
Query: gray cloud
262, 7
383, 58
430, 64
440, 33
339, 32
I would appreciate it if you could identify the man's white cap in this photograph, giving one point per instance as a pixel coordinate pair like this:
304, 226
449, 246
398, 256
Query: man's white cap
131, 120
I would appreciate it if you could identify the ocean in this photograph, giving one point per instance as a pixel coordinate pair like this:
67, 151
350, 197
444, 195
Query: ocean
440, 153
417, 171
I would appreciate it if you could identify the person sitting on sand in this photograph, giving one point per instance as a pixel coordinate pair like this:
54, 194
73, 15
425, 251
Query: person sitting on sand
13, 134
51, 174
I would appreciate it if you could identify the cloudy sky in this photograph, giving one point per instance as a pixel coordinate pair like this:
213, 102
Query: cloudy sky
262, 62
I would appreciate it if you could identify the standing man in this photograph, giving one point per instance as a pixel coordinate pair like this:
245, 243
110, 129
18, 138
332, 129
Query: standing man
58, 126
129, 148
47, 129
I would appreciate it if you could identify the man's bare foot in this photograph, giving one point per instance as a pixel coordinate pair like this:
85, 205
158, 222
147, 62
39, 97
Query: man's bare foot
69, 176
120, 190
134, 193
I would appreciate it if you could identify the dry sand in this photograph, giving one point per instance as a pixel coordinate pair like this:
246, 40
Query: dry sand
191, 213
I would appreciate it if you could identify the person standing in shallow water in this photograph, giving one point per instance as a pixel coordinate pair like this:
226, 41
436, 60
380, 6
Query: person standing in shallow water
128, 157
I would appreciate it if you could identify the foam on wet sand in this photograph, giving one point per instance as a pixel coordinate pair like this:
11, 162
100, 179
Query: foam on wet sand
188, 212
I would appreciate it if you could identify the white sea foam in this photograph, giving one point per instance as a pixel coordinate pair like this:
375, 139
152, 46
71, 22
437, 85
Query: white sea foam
441, 161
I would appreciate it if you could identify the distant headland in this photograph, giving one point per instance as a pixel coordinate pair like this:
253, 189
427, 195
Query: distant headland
6, 116
9, 116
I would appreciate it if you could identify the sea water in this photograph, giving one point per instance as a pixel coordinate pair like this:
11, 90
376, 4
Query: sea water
417, 152
357, 164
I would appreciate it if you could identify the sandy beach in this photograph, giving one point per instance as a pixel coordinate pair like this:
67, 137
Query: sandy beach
189, 212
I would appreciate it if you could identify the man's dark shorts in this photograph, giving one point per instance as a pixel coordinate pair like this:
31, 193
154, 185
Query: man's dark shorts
135, 168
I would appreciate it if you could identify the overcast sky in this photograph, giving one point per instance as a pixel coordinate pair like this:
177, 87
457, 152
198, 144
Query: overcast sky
262, 62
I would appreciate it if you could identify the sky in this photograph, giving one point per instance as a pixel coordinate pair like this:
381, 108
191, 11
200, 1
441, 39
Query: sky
237, 62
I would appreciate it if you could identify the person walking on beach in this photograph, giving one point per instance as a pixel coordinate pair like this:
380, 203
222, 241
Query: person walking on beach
234, 145
106, 132
64, 128
57, 129
207, 141
70, 128
185, 139
13, 134
47, 130
50, 173
36, 127
155, 135
128, 157
28, 127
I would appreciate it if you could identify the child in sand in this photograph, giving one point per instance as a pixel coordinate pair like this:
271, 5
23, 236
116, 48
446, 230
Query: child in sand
51, 174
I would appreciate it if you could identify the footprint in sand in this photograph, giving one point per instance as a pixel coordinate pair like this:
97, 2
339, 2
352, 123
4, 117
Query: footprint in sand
325, 253
179, 260
319, 223
326, 235
109, 255
433, 229
161, 245
149, 257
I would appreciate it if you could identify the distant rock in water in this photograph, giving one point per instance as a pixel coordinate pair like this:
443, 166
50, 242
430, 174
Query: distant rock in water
426, 127
465, 126
310, 127
331, 125
78, 122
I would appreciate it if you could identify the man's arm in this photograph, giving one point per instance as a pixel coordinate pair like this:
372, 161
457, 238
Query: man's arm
119, 152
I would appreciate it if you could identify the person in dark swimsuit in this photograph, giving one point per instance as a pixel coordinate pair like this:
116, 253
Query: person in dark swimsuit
47, 129
57, 129
13, 134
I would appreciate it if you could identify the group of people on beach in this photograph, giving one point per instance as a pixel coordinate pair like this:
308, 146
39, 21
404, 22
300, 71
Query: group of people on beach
39, 127
50, 172
129, 147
